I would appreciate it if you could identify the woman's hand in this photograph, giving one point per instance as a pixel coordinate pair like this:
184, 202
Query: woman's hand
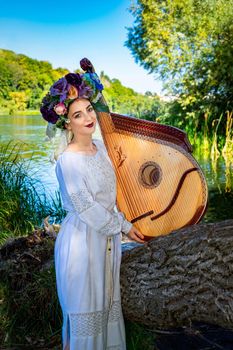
136, 235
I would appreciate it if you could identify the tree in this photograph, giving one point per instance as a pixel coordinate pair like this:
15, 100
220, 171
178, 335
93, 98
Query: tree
180, 278
18, 101
188, 44
125, 100
24, 81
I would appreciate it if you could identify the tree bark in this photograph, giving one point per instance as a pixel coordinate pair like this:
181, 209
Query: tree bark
181, 278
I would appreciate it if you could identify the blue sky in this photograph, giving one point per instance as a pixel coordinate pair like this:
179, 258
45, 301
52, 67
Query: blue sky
63, 32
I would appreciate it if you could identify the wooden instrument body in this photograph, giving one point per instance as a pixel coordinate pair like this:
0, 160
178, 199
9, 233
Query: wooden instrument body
160, 186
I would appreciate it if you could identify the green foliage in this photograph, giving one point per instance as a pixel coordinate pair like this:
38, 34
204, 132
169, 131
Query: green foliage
124, 100
189, 45
25, 81
23, 201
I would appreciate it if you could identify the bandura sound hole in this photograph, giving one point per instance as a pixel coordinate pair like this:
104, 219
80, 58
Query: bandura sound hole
150, 174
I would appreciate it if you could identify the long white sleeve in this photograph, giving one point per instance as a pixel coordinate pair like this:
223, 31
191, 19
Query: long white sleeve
89, 210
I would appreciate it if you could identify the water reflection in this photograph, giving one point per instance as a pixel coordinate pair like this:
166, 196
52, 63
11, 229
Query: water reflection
31, 130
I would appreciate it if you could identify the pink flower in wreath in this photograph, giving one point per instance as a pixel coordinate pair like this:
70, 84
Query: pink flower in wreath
60, 109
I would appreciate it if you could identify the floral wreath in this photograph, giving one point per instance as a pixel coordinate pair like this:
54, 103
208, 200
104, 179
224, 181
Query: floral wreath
54, 107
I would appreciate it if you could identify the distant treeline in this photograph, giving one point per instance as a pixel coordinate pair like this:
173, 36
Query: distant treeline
24, 82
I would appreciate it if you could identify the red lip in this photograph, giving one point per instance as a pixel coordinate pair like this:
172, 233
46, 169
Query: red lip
90, 125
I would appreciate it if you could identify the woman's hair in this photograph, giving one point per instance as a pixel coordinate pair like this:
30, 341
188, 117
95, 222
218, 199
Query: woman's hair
69, 105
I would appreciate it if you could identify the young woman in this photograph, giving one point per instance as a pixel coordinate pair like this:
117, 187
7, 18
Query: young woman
88, 246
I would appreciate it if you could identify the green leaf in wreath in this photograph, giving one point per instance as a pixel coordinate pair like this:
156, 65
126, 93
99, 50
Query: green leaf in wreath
100, 107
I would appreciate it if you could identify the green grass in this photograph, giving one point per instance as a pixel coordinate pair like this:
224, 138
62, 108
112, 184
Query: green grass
23, 200
5, 111
138, 337
28, 112
30, 311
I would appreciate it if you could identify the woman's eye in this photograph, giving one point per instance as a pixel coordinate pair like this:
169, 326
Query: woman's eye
90, 109
77, 115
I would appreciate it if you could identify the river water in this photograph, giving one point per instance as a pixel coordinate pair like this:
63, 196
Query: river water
31, 130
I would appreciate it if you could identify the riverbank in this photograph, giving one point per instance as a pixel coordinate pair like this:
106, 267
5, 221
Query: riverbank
28, 112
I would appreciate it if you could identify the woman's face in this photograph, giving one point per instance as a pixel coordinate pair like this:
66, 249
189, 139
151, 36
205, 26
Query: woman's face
82, 117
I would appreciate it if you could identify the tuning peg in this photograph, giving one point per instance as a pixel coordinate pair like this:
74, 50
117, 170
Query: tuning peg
86, 65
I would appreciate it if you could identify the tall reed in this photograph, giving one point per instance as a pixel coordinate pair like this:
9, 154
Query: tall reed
214, 148
228, 147
24, 202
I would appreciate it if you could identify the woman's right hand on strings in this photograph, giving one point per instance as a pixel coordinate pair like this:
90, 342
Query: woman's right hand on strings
136, 235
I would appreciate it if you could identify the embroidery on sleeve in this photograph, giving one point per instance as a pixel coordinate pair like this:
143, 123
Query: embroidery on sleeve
112, 226
81, 200
126, 226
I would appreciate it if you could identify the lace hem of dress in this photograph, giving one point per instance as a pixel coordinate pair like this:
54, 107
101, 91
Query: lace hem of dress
94, 323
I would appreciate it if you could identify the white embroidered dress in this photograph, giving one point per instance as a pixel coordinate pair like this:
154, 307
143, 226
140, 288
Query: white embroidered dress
88, 252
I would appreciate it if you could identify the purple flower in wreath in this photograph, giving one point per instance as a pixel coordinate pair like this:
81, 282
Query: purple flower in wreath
46, 100
49, 114
85, 91
60, 88
74, 79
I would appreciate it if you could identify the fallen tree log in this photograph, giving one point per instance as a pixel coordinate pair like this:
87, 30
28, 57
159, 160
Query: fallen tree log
170, 282
181, 278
